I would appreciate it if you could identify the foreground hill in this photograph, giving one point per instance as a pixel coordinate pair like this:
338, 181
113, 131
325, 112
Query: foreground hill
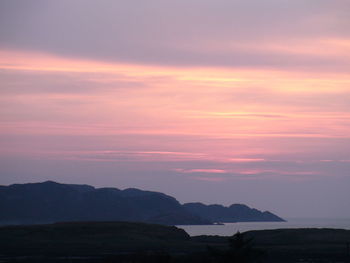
89, 238
139, 242
51, 202
231, 214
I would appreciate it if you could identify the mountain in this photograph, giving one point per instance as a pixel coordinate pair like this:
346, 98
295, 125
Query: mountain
50, 202
231, 214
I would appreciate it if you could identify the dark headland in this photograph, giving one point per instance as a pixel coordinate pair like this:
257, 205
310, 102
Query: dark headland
50, 202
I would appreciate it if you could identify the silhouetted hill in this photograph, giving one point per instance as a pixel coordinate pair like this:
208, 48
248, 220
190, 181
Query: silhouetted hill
231, 214
50, 202
102, 242
53, 202
89, 238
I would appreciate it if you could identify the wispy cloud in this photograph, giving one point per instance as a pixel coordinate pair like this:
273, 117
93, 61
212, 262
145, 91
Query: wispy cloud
308, 36
205, 171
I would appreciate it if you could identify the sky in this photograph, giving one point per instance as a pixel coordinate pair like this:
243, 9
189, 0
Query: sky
225, 101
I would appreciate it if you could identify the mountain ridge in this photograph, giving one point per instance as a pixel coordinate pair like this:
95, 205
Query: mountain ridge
50, 202
231, 214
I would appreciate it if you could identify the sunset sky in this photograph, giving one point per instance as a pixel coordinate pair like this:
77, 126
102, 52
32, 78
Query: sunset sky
224, 101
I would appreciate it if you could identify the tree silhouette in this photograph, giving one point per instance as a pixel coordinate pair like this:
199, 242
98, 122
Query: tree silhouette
240, 250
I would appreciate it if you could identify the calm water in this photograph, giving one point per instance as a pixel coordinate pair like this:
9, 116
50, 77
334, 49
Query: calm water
229, 229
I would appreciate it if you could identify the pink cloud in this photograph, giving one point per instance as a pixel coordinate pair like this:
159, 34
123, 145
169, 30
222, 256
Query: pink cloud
209, 171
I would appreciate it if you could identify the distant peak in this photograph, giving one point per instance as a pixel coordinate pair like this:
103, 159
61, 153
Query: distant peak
37, 184
50, 182
239, 206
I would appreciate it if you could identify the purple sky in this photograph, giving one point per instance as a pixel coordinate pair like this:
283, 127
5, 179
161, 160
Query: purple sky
226, 101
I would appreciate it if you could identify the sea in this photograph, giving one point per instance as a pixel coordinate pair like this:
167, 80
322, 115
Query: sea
229, 229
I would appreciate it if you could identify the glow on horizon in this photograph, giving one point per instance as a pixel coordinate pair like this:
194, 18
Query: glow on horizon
174, 101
